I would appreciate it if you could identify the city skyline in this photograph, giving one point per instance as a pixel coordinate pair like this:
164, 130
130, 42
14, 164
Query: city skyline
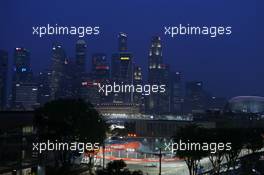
88, 64
223, 63
69, 78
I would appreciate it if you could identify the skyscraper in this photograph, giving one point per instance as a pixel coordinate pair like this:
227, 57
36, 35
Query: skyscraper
122, 69
138, 98
177, 100
100, 74
26, 94
100, 68
196, 98
158, 74
21, 70
81, 55
44, 79
24, 88
3, 78
79, 73
122, 73
57, 71
122, 42
89, 91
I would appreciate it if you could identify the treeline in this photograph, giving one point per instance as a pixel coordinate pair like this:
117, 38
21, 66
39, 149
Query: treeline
246, 139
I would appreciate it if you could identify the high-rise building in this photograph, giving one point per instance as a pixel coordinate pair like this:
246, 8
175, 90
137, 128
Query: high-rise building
44, 79
122, 70
101, 74
24, 88
81, 55
3, 78
79, 68
21, 70
176, 96
138, 98
26, 96
196, 99
58, 70
89, 91
100, 68
69, 88
122, 42
158, 74
217, 103
122, 73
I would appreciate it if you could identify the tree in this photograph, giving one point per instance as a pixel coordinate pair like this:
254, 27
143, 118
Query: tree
69, 121
254, 142
233, 136
216, 136
254, 139
115, 167
190, 134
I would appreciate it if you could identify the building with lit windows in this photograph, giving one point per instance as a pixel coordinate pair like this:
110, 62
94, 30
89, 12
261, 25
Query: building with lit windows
26, 96
43, 80
122, 42
24, 89
57, 71
177, 100
89, 91
195, 97
138, 98
122, 69
158, 74
80, 50
100, 67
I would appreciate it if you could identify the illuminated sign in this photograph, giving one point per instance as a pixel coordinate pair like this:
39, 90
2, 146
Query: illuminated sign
102, 67
23, 69
124, 58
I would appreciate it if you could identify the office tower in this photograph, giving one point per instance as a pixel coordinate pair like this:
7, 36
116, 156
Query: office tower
196, 98
21, 69
158, 74
44, 79
177, 100
57, 71
164, 99
69, 89
122, 73
24, 88
101, 74
217, 103
100, 68
122, 42
122, 70
3, 78
138, 98
89, 91
26, 94
79, 67
81, 55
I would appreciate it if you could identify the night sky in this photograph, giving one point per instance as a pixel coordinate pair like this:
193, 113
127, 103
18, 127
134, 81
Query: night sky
228, 65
